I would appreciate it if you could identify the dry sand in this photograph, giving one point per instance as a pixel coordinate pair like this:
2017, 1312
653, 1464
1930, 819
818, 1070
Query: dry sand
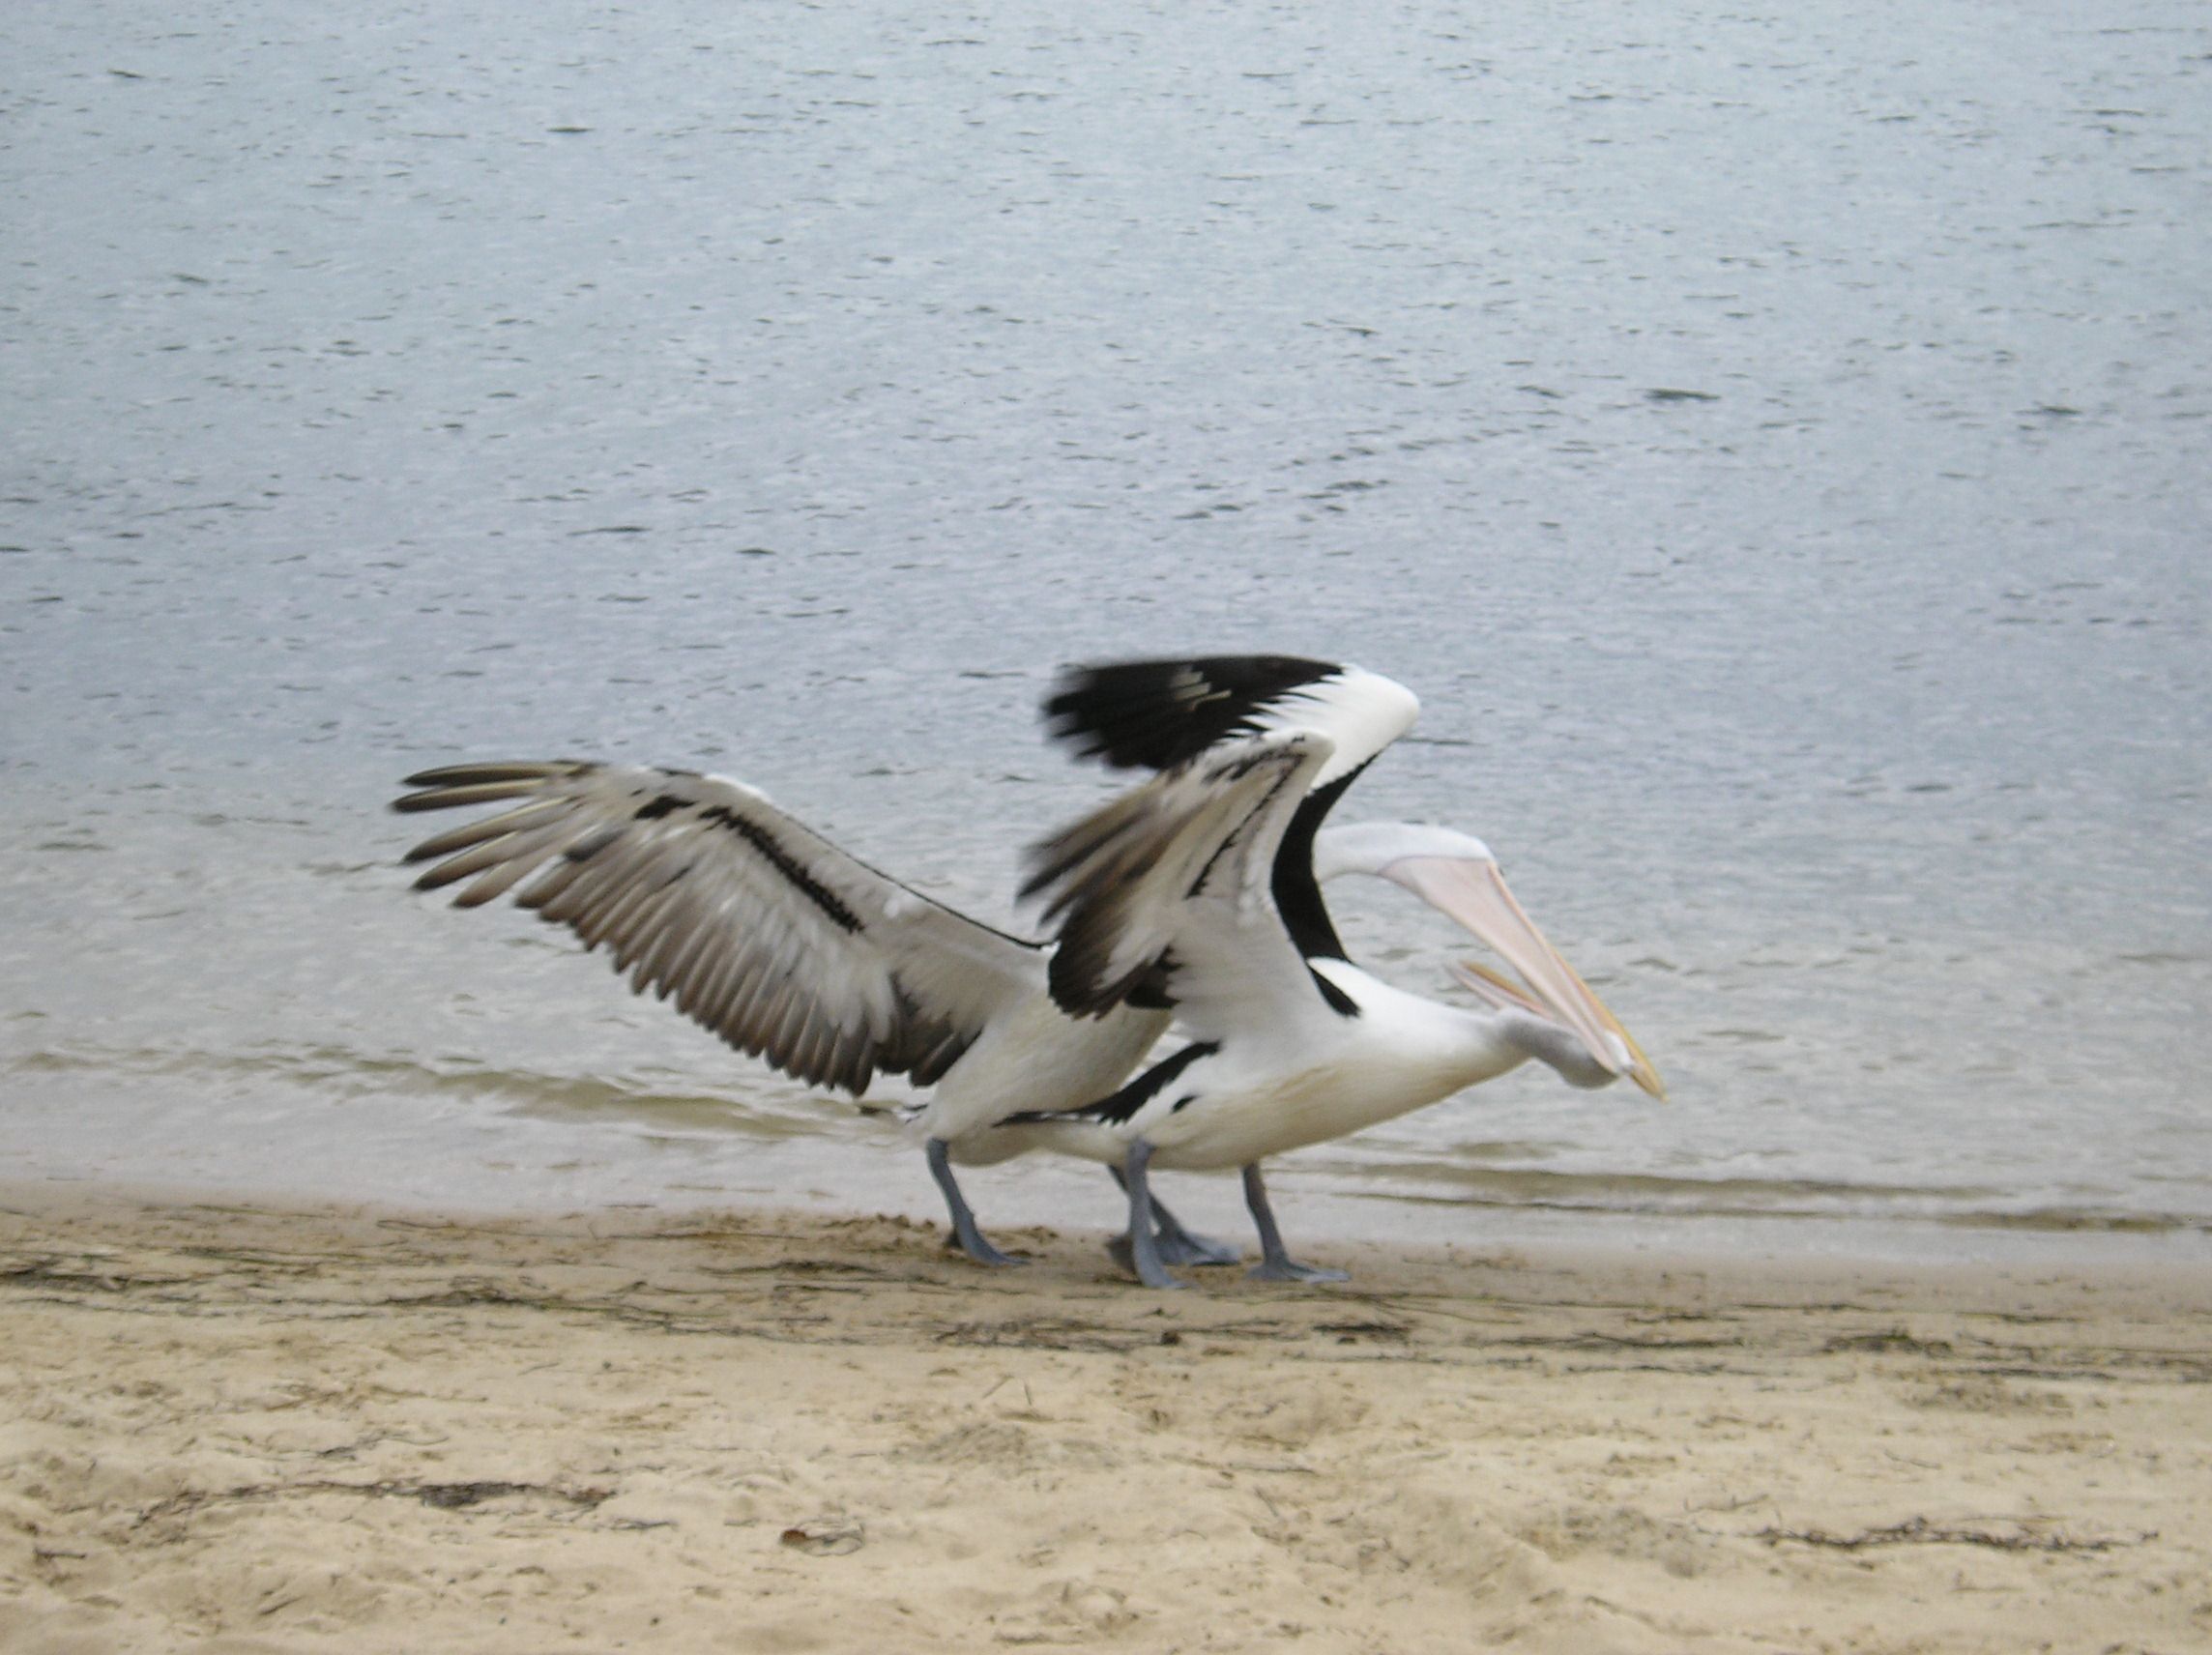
230, 1430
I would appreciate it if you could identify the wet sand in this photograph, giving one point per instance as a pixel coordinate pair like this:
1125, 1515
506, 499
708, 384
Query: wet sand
233, 1429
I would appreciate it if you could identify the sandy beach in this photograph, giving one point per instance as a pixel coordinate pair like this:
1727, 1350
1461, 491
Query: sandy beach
232, 1429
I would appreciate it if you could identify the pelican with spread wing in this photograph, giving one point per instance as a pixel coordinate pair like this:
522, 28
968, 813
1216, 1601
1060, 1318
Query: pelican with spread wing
705, 892
1198, 891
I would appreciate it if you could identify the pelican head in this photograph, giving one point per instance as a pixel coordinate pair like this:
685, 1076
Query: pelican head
1455, 874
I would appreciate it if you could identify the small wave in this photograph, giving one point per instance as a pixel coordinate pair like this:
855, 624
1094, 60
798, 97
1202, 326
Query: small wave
339, 1071
2059, 1219
1649, 1194
1611, 1186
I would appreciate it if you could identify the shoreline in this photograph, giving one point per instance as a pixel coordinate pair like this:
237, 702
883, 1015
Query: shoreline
252, 1427
1330, 1211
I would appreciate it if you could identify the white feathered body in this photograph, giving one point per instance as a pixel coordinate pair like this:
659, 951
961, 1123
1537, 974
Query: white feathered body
1034, 1056
1303, 1081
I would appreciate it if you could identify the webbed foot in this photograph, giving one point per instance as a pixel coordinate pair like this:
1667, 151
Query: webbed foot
965, 1233
1288, 1270
1176, 1245
1275, 1265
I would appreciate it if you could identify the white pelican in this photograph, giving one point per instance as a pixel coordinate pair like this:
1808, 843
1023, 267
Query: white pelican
1198, 888
791, 951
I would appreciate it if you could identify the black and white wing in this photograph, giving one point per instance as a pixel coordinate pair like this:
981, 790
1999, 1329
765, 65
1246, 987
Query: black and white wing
758, 927
1163, 894
1154, 714
1159, 714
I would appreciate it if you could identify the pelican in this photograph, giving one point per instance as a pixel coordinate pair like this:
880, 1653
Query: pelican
793, 951
1200, 890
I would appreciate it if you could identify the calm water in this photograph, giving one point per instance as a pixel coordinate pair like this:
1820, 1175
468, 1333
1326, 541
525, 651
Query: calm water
1773, 441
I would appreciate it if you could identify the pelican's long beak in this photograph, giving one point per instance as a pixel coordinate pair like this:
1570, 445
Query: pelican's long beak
1475, 895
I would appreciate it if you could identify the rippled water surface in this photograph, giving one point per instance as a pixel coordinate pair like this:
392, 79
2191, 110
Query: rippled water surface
1772, 440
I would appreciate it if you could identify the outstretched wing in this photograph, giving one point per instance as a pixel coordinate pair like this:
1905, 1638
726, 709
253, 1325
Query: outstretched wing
758, 927
1163, 894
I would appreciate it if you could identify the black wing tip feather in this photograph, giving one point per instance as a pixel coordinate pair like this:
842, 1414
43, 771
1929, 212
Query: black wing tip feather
1152, 715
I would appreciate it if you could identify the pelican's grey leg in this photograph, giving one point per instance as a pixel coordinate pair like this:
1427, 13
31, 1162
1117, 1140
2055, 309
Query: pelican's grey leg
1176, 1245
1275, 1265
1143, 1244
964, 1229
